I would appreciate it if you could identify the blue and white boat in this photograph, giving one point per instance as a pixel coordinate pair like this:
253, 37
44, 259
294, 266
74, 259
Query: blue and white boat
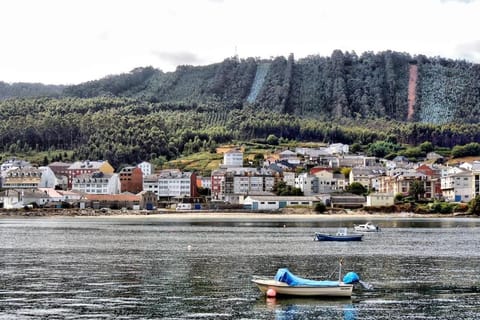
286, 283
341, 235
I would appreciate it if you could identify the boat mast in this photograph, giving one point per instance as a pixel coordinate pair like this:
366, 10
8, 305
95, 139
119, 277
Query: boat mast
340, 270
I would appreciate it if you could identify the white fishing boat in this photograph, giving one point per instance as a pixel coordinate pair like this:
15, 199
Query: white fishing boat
286, 283
334, 289
367, 227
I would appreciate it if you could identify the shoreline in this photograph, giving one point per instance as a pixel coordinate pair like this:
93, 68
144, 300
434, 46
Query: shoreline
291, 214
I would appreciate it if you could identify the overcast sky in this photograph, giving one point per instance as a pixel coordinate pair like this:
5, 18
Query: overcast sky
72, 41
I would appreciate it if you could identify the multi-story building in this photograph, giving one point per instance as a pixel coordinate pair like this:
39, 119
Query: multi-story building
217, 184
252, 184
96, 183
401, 183
367, 176
434, 187
307, 183
22, 178
147, 168
131, 180
328, 182
172, 183
150, 183
233, 158
204, 182
458, 187
289, 178
87, 167
225, 183
60, 169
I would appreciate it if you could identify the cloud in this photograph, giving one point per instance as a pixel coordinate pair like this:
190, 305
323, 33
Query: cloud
469, 50
463, 1
178, 57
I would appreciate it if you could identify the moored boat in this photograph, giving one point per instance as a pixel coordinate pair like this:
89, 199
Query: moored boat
341, 235
367, 227
286, 283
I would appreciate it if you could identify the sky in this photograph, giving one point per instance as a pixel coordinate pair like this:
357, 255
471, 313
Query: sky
73, 41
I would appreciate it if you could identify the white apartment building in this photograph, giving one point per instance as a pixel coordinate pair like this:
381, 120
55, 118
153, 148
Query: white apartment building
306, 183
458, 187
233, 158
147, 168
97, 183
170, 183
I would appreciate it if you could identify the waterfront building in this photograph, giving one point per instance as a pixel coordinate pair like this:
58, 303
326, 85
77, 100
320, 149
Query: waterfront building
96, 183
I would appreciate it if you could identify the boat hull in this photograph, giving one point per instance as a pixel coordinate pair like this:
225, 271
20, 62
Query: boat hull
329, 237
342, 290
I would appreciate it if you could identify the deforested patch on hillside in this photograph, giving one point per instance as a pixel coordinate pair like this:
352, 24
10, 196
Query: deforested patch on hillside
258, 81
412, 89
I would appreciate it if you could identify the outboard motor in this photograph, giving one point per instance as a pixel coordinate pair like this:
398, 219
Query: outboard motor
352, 277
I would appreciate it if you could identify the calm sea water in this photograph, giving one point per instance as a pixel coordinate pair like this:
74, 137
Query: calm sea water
161, 268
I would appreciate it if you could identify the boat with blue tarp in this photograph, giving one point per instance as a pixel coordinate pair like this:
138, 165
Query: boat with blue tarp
287, 283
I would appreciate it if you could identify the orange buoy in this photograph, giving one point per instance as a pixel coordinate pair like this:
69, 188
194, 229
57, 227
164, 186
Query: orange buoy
271, 293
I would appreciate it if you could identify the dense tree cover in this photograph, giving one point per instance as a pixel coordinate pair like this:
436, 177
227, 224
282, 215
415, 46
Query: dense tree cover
126, 84
448, 91
342, 86
470, 149
23, 90
126, 131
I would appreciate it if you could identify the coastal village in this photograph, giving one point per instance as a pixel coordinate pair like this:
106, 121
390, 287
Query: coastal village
314, 171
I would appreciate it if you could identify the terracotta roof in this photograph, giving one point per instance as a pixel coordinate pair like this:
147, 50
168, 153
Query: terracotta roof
113, 197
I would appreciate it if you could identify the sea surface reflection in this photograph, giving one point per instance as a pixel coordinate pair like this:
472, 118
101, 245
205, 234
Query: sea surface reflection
161, 268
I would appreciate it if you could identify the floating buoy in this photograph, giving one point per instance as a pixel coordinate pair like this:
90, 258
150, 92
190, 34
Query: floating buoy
189, 247
271, 293
284, 226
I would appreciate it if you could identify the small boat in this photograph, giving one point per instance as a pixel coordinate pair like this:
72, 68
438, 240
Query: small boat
341, 235
367, 227
286, 283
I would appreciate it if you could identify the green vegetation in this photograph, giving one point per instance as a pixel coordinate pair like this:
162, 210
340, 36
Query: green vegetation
320, 207
147, 114
281, 189
474, 206
357, 188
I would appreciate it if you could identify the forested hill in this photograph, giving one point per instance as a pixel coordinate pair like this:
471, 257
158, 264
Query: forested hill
388, 85
382, 102
25, 90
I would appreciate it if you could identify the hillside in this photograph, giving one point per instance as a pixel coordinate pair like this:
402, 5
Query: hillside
388, 85
390, 98
27, 90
